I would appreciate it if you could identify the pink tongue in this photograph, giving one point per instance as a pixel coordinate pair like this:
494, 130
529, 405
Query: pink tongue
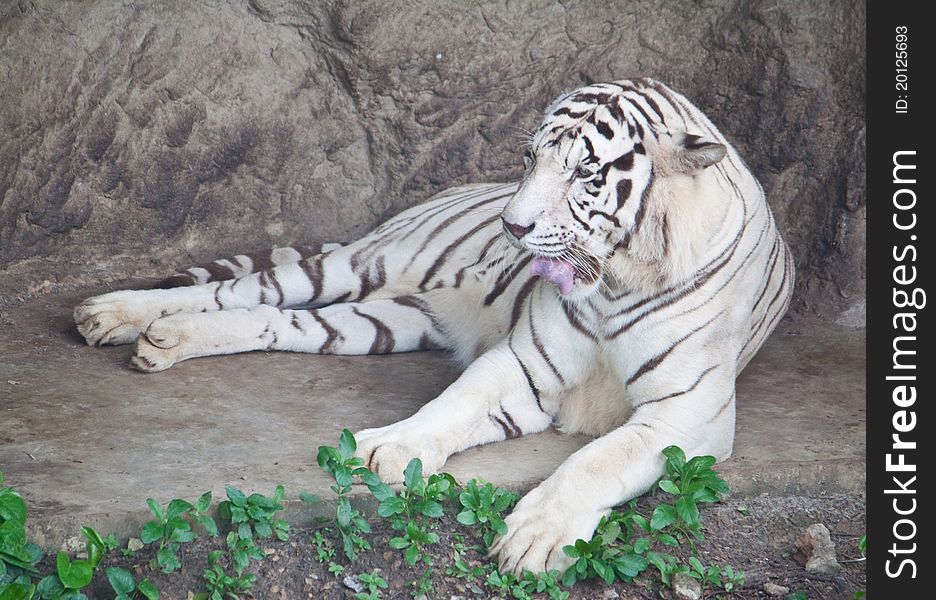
561, 273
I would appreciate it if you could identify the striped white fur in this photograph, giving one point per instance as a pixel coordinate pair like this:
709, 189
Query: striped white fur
636, 207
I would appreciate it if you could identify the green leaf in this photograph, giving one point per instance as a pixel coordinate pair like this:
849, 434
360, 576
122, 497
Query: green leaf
167, 559
642, 522
666, 539
675, 458
696, 565
278, 492
412, 475
308, 498
263, 529
688, 512
73, 574
327, 457
156, 510
398, 543
93, 536
17, 591
148, 590
346, 444
238, 514
668, 486
391, 506
236, 496
244, 532
208, 524
178, 535
411, 556
467, 517
224, 511
631, 565
343, 514
151, 532
203, 503
178, 507
12, 507
430, 508
663, 515
697, 464
50, 587
121, 580
641, 545
343, 476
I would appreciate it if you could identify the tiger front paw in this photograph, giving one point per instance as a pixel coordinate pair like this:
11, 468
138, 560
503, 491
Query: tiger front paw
387, 450
157, 348
541, 524
114, 318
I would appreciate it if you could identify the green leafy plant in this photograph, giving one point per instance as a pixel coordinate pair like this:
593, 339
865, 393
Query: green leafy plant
251, 517
18, 557
341, 464
374, 583
324, 551
523, 587
410, 511
126, 587
72, 575
626, 542
483, 504
221, 585
723, 577
691, 482
170, 529
254, 515
604, 557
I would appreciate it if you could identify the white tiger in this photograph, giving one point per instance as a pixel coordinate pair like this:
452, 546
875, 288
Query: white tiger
643, 271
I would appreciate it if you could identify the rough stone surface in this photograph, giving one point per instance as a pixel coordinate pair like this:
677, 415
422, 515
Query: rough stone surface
686, 588
816, 551
142, 136
772, 589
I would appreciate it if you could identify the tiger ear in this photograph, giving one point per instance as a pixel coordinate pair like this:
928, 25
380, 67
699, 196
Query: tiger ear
695, 153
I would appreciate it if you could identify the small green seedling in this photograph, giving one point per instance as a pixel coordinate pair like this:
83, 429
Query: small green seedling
692, 483
419, 500
483, 504
374, 583
18, 557
252, 517
603, 557
170, 529
341, 463
221, 585
324, 551
72, 575
126, 587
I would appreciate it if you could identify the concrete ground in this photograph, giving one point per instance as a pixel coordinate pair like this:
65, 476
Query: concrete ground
86, 440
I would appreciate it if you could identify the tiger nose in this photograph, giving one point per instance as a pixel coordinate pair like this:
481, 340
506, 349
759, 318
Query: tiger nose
518, 231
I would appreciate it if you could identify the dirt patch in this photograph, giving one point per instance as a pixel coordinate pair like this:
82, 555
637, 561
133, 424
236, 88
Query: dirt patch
754, 535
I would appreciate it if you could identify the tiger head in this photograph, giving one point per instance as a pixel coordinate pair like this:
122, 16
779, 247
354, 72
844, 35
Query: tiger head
615, 189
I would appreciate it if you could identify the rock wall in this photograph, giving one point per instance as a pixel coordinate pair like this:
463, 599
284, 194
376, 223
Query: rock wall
141, 136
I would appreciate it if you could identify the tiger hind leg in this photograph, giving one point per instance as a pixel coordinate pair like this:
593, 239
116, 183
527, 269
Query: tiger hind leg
120, 317
382, 326
242, 265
